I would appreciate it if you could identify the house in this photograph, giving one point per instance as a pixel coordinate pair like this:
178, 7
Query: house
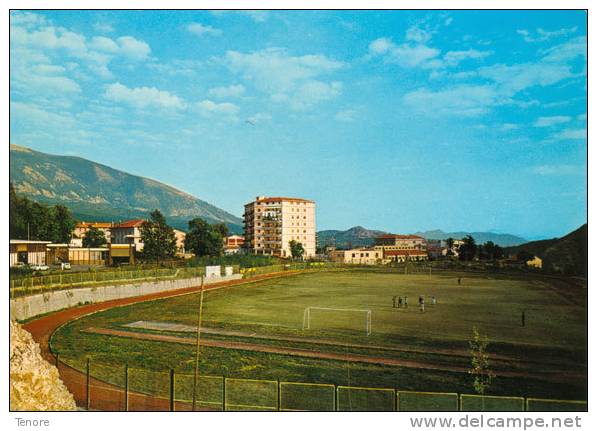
128, 232
272, 222
403, 255
180, 237
58, 253
233, 244
535, 262
400, 248
83, 227
358, 256
26, 252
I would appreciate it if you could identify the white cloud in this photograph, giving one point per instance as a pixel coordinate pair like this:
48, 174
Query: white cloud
406, 55
207, 108
502, 82
416, 52
103, 27
260, 117
551, 121
285, 77
104, 44
226, 92
572, 134
452, 58
26, 19
33, 114
143, 97
133, 48
463, 100
418, 35
313, 92
543, 35
509, 126
95, 53
558, 170
346, 116
256, 15
203, 30
381, 45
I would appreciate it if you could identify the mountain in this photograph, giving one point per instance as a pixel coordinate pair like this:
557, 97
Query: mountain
567, 255
356, 236
97, 192
501, 239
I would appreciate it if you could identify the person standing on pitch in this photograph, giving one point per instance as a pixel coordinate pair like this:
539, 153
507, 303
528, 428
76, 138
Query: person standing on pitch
394, 301
400, 302
459, 281
422, 304
523, 318
406, 302
433, 300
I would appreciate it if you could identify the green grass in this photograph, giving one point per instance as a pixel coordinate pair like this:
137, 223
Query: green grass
554, 336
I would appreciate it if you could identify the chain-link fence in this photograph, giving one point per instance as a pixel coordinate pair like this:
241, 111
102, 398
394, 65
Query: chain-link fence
23, 286
105, 386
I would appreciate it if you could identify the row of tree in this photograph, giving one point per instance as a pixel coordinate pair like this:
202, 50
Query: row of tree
159, 240
38, 222
469, 249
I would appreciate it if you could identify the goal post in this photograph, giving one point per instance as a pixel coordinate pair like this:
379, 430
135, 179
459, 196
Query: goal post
366, 315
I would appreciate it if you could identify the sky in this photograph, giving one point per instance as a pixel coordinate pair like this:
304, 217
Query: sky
402, 121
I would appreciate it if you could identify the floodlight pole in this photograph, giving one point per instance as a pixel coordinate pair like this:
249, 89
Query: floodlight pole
199, 320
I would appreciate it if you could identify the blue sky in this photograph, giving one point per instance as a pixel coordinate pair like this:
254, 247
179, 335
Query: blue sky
400, 121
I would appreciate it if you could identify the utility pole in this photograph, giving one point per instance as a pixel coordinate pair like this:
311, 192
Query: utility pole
197, 347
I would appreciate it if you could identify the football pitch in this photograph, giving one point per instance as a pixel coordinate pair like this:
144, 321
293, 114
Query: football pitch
346, 327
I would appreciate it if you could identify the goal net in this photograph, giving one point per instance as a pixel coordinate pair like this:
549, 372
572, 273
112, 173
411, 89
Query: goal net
325, 318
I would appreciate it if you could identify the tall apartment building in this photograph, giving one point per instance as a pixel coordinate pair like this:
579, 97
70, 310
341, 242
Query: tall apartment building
272, 222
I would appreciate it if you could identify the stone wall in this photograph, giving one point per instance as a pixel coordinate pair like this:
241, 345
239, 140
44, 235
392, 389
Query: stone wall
26, 307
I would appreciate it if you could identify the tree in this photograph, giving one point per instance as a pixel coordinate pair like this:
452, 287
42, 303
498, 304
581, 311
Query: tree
480, 370
65, 224
450, 246
490, 251
203, 239
222, 229
468, 248
35, 221
94, 238
159, 241
524, 256
296, 249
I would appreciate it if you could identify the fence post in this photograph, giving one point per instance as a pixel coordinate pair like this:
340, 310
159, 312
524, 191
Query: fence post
87, 387
395, 400
336, 398
171, 389
279, 397
223, 393
126, 388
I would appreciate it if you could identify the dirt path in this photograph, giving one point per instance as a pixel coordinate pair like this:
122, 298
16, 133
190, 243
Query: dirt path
459, 353
304, 353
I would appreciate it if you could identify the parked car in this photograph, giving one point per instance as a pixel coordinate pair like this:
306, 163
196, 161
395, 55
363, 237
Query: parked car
40, 267
65, 265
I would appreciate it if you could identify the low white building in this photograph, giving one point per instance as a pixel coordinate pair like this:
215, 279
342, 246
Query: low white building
27, 252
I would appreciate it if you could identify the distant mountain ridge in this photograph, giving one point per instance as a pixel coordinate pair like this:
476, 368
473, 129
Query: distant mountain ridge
98, 192
359, 236
501, 239
567, 255
356, 236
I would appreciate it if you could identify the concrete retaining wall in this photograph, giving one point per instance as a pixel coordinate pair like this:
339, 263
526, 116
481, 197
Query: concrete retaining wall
26, 307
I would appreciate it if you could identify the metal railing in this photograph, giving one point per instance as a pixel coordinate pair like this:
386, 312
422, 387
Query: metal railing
101, 386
